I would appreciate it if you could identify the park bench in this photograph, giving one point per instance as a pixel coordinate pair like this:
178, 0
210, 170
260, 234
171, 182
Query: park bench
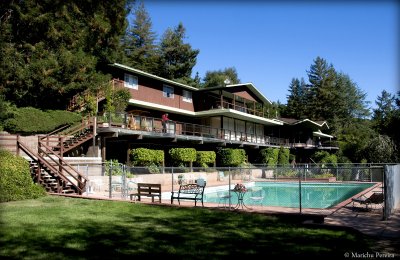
148, 190
191, 191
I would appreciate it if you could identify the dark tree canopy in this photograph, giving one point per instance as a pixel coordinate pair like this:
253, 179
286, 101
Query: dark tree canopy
221, 78
56, 48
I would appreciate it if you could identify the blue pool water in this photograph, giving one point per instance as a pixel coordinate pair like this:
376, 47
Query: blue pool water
286, 194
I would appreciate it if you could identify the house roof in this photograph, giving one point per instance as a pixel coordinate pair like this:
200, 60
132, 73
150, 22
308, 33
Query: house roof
293, 121
249, 86
320, 134
140, 72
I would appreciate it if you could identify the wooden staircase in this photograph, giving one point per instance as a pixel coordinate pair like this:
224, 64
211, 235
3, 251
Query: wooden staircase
64, 140
52, 172
78, 101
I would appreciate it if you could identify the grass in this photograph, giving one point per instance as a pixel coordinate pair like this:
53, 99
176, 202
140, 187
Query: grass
67, 228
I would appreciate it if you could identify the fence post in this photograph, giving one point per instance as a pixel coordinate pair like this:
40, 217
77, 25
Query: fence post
172, 178
229, 187
110, 180
300, 208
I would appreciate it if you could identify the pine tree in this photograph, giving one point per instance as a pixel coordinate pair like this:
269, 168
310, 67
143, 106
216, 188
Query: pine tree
384, 112
322, 84
297, 99
177, 58
139, 42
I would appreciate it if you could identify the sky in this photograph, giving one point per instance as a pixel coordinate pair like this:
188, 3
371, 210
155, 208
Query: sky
271, 42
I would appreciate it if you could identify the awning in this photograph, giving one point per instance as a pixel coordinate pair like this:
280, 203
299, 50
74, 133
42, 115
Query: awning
320, 134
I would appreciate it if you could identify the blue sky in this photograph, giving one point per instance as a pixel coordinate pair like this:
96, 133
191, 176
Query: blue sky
271, 42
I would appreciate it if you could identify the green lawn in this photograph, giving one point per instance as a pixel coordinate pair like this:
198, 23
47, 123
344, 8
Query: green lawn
66, 228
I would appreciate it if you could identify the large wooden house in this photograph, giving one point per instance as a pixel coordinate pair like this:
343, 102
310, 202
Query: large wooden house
223, 116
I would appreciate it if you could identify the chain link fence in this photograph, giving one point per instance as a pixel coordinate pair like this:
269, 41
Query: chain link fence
301, 188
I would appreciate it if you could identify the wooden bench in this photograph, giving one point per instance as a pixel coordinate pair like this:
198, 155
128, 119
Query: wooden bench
148, 190
191, 191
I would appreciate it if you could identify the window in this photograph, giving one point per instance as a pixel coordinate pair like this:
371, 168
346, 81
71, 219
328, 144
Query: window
131, 81
168, 91
187, 96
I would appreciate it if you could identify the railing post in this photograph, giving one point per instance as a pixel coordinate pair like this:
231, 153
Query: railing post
17, 144
300, 208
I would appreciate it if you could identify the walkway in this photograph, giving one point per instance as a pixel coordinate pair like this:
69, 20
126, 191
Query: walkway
387, 232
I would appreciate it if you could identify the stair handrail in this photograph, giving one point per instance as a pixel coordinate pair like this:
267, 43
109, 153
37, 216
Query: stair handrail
79, 128
62, 163
57, 130
76, 101
38, 158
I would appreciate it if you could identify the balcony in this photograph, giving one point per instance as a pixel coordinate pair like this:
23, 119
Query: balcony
150, 127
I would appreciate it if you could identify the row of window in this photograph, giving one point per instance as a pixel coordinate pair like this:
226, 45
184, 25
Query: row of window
131, 81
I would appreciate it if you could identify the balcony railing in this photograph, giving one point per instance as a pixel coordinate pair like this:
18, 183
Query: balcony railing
154, 125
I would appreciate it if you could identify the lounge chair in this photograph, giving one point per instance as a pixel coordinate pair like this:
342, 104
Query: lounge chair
375, 199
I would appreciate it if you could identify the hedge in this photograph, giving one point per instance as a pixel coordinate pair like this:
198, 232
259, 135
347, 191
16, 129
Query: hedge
204, 158
182, 155
232, 157
30, 121
15, 179
146, 157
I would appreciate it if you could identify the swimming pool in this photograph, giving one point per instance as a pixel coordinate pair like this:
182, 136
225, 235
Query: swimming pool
286, 194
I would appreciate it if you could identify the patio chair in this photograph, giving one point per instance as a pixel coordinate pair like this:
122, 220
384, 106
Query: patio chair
223, 198
221, 176
375, 199
257, 196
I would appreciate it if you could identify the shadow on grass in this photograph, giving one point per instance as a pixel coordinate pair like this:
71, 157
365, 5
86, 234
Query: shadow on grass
198, 233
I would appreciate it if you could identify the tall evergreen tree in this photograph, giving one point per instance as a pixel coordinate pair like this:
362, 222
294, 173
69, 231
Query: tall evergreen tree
322, 89
177, 58
386, 118
297, 99
382, 115
51, 50
218, 78
139, 42
349, 100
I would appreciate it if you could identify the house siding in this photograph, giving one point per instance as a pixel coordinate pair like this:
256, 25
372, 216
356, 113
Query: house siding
151, 91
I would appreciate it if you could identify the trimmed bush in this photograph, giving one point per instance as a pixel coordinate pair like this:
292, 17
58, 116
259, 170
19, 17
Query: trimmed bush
204, 158
15, 179
146, 157
232, 157
183, 155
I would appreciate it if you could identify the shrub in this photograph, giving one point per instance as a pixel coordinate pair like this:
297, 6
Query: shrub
146, 157
269, 156
29, 121
325, 158
15, 179
183, 155
283, 156
232, 157
114, 166
204, 158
